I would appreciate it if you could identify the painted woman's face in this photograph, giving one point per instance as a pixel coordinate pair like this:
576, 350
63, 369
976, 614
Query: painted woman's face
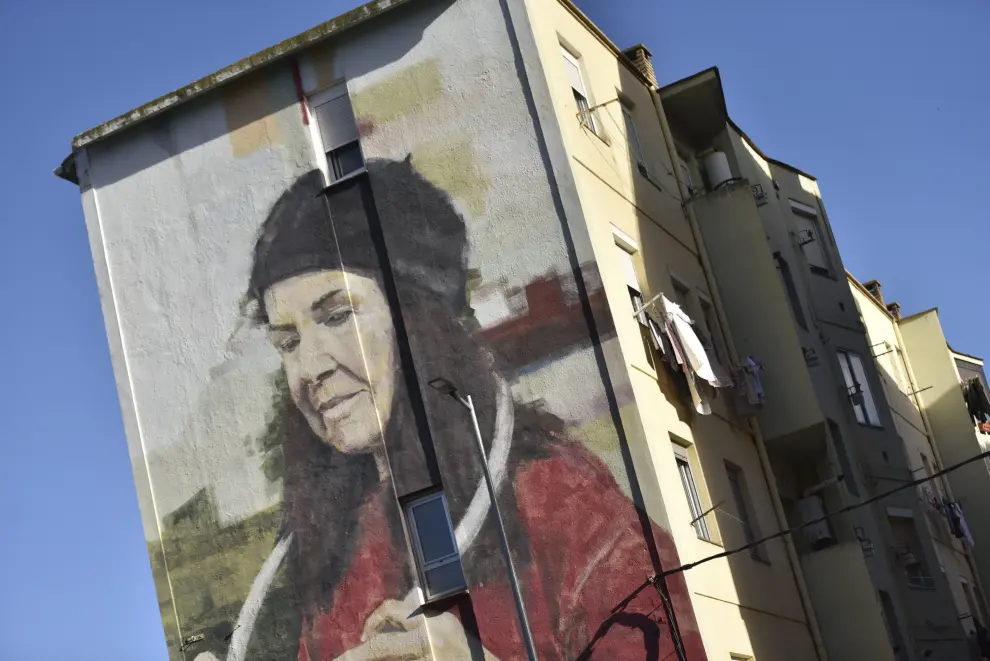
338, 351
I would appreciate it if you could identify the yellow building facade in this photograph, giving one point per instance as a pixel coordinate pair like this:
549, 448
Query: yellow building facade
632, 185
905, 395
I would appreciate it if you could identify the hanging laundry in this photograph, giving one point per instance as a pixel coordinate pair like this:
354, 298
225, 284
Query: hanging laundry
749, 392
976, 400
694, 353
957, 523
754, 383
656, 334
700, 403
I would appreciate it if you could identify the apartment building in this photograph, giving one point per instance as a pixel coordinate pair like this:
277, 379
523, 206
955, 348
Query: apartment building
831, 438
953, 394
717, 487
944, 514
331, 269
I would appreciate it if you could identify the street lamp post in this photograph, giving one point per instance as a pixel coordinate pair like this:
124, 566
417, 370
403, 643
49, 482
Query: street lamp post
447, 388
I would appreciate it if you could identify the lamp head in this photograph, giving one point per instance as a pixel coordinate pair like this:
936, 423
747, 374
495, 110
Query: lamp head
443, 386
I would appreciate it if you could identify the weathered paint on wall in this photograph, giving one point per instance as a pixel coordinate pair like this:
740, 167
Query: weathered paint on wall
268, 346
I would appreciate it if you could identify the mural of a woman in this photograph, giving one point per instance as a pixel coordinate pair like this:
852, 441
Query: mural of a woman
349, 431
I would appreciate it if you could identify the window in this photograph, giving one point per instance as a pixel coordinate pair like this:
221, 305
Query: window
744, 509
971, 601
711, 326
891, 625
842, 452
635, 150
907, 548
632, 280
927, 465
338, 131
691, 491
624, 249
791, 290
810, 237
435, 547
574, 76
679, 292
685, 171
858, 389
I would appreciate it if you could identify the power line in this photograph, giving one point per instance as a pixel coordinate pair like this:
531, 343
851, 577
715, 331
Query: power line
844, 510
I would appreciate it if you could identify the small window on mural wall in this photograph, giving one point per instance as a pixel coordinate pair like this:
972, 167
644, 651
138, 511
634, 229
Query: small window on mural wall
436, 548
338, 131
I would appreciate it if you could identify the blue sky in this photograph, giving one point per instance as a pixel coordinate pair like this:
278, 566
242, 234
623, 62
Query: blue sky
885, 104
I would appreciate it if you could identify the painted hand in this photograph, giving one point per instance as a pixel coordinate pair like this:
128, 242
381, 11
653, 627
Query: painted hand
395, 632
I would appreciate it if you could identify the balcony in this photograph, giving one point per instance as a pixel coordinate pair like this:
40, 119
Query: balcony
759, 314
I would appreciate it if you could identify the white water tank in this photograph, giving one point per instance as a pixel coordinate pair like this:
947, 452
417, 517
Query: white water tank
717, 168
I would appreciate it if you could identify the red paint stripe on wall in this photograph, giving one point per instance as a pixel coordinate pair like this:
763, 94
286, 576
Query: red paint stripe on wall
297, 80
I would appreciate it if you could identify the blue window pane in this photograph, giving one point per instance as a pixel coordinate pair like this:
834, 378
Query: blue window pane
433, 530
445, 578
345, 160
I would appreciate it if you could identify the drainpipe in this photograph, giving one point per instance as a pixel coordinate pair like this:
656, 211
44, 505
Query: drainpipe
778, 508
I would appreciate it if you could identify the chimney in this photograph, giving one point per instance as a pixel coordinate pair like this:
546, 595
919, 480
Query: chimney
873, 286
895, 310
642, 59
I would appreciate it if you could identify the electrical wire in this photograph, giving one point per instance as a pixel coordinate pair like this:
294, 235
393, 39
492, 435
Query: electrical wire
844, 510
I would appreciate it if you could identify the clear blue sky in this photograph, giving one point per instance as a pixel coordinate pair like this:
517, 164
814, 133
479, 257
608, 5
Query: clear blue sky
887, 105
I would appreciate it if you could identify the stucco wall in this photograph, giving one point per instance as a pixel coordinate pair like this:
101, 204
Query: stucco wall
947, 562
459, 197
953, 429
743, 605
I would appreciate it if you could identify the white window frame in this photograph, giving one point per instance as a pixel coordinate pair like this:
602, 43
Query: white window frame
809, 215
313, 101
632, 135
706, 307
626, 250
582, 89
421, 563
854, 377
680, 286
745, 514
691, 491
682, 163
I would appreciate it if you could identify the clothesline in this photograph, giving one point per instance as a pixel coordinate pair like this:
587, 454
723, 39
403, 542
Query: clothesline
673, 335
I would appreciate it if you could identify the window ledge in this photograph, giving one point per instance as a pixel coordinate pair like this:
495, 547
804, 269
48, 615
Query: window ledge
600, 135
444, 601
645, 173
712, 542
869, 425
760, 559
347, 177
822, 273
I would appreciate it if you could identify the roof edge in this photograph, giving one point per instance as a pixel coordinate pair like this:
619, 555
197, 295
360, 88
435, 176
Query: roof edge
964, 356
918, 314
268, 55
767, 158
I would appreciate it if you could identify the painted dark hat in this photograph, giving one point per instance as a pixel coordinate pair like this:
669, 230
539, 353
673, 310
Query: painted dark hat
312, 227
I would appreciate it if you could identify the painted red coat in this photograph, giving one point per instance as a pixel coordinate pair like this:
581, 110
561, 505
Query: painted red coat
588, 557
